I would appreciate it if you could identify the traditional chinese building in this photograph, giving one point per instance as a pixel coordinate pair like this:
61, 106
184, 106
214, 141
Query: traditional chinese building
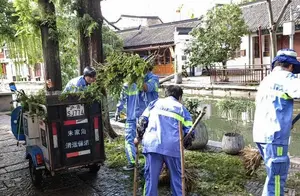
167, 40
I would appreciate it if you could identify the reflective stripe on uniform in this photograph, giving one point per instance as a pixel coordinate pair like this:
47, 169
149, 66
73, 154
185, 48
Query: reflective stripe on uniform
128, 147
131, 91
277, 185
277, 177
279, 151
285, 96
174, 115
156, 87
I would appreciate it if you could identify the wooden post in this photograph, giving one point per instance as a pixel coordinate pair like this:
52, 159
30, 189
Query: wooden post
182, 158
135, 177
260, 51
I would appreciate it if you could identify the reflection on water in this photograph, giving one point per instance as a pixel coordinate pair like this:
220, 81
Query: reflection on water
217, 124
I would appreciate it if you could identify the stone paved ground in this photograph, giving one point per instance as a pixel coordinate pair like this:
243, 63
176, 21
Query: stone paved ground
15, 179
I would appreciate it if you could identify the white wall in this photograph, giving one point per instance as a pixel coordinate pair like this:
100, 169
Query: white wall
181, 43
248, 45
243, 60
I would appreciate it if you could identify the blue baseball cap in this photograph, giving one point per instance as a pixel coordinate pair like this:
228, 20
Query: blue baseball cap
287, 56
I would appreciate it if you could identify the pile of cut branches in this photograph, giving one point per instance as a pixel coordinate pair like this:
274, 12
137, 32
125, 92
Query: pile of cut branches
251, 159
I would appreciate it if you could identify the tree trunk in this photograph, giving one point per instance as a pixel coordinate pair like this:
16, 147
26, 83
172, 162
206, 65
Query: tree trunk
96, 36
274, 25
50, 45
96, 54
225, 75
83, 40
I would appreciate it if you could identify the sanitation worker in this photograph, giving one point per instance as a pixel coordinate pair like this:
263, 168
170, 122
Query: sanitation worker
273, 118
81, 82
136, 101
149, 92
158, 130
129, 97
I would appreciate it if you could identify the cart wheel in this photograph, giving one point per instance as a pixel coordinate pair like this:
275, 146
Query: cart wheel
36, 175
94, 168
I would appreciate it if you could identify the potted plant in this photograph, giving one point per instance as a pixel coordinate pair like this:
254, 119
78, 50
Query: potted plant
233, 142
201, 134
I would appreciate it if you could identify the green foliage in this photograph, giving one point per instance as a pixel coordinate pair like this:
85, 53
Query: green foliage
216, 178
111, 41
25, 45
91, 94
120, 68
213, 178
68, 44
219, 38
28, 102
115, 153
7, 18
192, 105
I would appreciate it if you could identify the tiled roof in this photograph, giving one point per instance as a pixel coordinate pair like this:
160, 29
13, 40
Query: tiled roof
155, 34
256, 14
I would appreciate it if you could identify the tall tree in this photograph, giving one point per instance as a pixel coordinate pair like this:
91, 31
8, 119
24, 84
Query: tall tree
219, 37
91, 46
274, 25
96, 35
82, 7
50, 44
96, 47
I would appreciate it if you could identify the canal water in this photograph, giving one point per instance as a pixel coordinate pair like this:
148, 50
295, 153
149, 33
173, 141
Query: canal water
218, 124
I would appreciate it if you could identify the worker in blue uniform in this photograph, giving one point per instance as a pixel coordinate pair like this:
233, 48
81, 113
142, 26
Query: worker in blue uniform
149, 92
129, 97
273, 118
81, 82
136, 101
158, 130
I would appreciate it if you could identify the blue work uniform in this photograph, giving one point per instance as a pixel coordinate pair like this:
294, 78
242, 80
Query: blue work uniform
161, 142
129, 97
152, 82
76, 84
272, 126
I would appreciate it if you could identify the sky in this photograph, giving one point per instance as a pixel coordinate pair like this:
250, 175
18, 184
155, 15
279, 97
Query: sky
165, 9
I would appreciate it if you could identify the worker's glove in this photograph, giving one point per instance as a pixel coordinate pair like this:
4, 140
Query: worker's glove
117, 115
141, 127
187, 141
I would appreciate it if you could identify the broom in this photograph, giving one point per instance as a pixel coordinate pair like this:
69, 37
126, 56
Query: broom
190, 178
252, 158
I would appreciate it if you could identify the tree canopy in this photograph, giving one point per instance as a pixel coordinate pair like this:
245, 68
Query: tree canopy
19, 29
218, 37
7, 18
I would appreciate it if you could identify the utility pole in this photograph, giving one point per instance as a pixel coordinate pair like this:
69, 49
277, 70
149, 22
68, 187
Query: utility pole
292, 34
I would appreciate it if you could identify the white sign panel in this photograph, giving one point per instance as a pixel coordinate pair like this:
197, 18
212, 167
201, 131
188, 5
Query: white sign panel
288, 28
